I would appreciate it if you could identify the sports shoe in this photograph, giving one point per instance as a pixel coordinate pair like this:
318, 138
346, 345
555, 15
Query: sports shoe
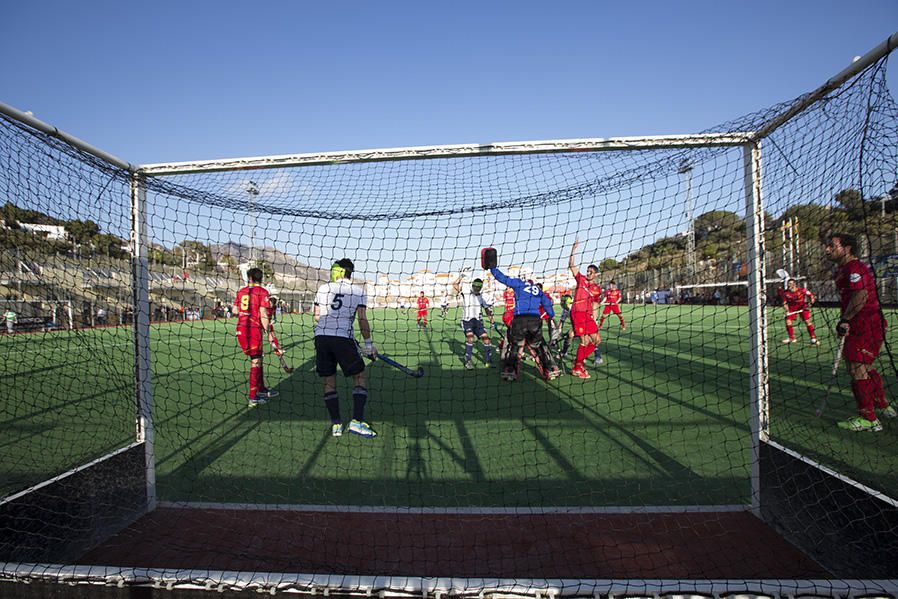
814, 341
623, 327
888, 412
490, 364
357, 427
788, 340
337, 430
554, 374
599, 361
508, 375
267, 393
580, 372
469, 365
257, 401
860, 424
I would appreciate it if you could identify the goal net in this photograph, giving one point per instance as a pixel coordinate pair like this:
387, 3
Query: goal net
676, 441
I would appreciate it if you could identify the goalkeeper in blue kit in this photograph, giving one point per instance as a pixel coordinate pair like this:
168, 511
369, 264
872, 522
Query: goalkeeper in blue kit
526, 327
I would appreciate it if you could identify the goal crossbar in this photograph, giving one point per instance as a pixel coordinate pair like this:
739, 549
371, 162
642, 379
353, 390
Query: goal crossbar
451, 151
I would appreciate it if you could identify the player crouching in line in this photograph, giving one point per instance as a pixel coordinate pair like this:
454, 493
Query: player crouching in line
863, 327
526, 326
471, 320
797, 301
337, 304
252, 307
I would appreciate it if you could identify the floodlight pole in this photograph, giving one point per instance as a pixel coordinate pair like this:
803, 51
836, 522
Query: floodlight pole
253, 190
686, 171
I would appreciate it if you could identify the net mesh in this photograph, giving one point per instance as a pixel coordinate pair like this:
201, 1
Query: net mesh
660, 425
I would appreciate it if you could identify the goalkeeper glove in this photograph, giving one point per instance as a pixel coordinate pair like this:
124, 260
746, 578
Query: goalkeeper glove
369, 350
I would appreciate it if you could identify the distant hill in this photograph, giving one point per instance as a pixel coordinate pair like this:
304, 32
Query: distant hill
282, 264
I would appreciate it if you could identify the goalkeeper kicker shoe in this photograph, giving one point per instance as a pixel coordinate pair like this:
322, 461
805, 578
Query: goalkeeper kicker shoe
336, 430
357, 427
859, 424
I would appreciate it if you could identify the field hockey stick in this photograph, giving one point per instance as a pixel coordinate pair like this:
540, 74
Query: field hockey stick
788, 314
280, 354
414, 373
832, 380
783, 274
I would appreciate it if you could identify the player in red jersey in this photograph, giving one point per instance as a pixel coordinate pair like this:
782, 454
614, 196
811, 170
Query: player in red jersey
612, 305
863, 327
508, 315
586, 294
423, 304
252, 307
797, 301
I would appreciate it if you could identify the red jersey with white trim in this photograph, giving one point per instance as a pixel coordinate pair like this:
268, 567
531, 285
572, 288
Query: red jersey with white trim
247, 305
423, 303
585, 295
612, 297
855, 276
798, 300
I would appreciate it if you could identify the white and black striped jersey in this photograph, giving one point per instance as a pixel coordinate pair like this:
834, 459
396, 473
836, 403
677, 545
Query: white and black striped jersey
337, 304
473, 302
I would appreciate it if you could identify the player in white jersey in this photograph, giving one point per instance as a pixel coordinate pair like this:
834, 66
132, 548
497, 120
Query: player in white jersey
472, 322
337, 305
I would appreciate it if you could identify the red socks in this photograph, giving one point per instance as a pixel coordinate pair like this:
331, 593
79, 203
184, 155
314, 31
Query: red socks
863, 395
879, 392
583, 352
255, 381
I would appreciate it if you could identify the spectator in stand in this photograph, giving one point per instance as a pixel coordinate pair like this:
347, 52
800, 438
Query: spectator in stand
11, 319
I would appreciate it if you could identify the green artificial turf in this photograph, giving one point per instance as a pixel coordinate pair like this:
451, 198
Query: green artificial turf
664, 422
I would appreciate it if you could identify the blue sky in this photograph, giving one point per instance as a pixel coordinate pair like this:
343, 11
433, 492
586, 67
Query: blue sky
168, 81
171, 81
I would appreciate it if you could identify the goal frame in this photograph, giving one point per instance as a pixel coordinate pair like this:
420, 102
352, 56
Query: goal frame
750, 142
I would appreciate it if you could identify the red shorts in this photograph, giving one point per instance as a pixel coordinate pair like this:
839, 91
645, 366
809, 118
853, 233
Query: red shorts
584, 323
507, 317
864, 339
805, 315
611, 308
250, 340
422, 313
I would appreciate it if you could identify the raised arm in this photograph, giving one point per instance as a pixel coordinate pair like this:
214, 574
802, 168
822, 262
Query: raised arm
501, 277
570, 263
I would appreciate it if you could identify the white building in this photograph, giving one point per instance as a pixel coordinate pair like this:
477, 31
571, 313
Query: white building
53, 232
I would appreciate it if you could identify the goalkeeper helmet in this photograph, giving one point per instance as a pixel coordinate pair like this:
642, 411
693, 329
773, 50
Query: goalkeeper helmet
342, 269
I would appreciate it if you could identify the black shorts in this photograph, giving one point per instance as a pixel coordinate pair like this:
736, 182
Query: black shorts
331, 350
526, 328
